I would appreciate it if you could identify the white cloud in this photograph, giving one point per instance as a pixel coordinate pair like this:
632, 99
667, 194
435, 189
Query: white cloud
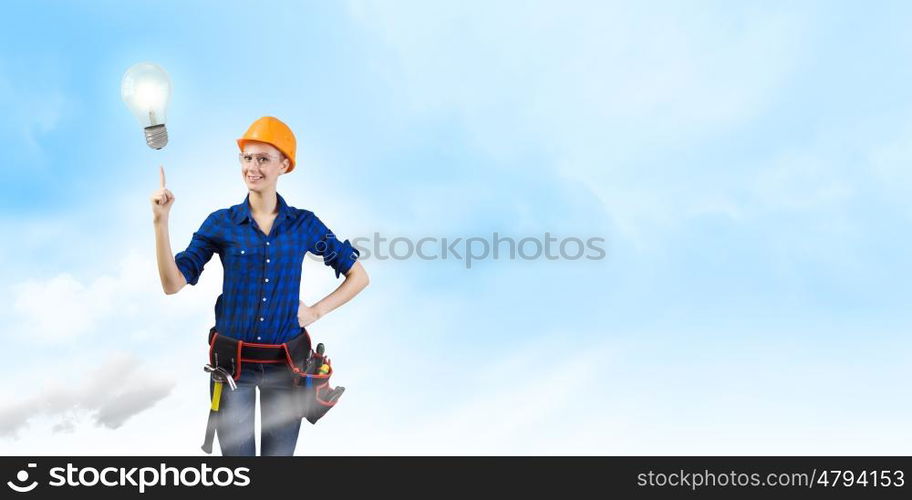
41, 306
602, 93
64, 308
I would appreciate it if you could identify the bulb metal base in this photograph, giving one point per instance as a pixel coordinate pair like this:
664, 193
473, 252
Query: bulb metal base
156, 136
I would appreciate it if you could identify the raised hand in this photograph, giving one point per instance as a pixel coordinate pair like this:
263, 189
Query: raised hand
162, 198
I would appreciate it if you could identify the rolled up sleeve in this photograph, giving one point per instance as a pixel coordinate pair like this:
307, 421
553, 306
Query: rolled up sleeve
337, 254
191, 261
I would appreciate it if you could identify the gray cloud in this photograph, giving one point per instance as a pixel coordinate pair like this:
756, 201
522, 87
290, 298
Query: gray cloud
64, 426
114, 392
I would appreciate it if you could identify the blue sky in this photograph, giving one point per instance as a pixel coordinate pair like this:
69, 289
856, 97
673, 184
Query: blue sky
747, 165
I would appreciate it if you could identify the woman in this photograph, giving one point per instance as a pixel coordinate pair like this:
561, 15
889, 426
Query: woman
262, 243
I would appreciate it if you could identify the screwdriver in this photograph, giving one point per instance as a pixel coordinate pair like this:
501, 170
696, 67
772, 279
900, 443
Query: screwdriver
324, 368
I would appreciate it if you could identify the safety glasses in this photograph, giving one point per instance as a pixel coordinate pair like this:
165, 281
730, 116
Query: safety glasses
260, 159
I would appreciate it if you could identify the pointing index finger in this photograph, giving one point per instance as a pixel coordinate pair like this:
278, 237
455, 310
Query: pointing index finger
161, 175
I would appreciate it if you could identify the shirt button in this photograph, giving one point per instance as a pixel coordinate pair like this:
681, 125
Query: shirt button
267, 280
261, 318
264, 299
259, 338
267, 243
242, 252
267, 261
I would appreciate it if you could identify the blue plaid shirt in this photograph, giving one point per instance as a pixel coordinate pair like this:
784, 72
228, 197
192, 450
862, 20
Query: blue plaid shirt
261, 287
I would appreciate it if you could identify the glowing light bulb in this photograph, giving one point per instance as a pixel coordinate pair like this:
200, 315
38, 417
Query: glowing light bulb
146, 90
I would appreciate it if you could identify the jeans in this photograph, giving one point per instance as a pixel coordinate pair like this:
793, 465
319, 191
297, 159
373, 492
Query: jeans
279, 420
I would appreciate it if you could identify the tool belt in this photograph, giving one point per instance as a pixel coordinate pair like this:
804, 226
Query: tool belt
312, 393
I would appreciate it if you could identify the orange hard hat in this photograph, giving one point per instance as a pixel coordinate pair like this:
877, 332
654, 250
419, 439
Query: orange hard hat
272, 131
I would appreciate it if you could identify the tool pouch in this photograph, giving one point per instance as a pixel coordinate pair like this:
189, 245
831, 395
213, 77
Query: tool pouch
225, 352
312, 389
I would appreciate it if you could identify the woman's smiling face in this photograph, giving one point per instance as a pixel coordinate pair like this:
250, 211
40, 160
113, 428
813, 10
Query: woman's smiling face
261, 165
